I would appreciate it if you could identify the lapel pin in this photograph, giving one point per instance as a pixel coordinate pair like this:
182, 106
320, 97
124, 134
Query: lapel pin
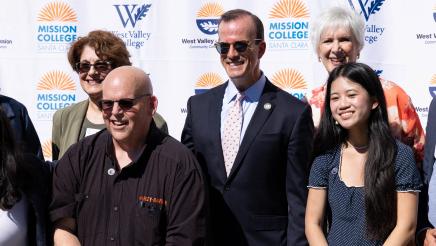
111, 171
267, 106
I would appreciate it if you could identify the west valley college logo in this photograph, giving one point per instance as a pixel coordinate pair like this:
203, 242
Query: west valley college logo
131, 13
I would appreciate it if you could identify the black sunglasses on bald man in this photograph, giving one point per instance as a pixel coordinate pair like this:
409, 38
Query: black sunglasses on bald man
124, 103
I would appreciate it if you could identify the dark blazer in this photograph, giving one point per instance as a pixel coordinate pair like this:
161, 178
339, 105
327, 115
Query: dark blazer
263, 200
430, 142
24, 131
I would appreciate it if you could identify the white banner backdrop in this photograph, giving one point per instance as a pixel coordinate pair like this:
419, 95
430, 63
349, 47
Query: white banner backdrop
172, 40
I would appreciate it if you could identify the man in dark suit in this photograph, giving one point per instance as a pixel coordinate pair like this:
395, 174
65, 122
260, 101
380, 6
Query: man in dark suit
258, 192
430, 174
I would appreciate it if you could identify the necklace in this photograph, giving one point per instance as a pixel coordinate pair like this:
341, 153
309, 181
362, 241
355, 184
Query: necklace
358, 148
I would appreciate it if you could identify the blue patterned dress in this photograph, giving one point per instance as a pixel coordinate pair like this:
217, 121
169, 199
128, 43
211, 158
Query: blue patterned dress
347, 203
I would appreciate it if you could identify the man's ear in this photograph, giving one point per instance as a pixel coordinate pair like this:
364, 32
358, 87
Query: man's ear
153, 104
262, 49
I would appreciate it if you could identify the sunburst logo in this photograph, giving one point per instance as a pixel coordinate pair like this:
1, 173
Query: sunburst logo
290, 80
208, 17
56, 80
207, 81
47, 150
57, 11
288, 27
432, 87
289, 9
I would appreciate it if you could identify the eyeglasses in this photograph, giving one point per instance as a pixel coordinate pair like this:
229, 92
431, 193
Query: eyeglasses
240, 46
124, 103
99, 66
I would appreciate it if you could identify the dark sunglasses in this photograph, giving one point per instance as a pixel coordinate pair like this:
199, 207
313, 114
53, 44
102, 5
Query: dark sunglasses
124, 103
99, 66
240, 46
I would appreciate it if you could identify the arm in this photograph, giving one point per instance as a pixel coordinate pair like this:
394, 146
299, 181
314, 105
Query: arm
187, 138
316, 203
186, 208
30, 136
63, 233
297, 173
404, 231
63, 206
412, 133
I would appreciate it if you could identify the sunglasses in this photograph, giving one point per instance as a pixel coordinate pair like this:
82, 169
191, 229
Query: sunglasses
240, 46
124, 103
99, 66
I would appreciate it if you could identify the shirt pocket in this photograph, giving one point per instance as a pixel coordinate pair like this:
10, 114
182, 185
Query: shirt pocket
149, 227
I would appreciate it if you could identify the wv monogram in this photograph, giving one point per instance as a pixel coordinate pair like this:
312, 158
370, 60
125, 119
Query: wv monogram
129, 13
368, 7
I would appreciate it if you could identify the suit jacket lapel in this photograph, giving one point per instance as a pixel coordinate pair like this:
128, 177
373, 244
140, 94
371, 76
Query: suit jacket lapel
214, 120
261, 114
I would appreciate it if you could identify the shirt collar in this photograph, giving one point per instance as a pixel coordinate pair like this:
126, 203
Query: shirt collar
252, 94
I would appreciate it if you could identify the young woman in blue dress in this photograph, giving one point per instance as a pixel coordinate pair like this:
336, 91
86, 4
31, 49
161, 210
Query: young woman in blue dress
368, 181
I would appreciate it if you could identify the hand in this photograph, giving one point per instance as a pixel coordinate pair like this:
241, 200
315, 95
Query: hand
430, 237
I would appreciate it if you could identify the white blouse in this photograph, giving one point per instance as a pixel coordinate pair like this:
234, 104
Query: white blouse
13, 224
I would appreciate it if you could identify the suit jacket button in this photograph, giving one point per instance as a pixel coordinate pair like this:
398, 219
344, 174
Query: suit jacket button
226, 187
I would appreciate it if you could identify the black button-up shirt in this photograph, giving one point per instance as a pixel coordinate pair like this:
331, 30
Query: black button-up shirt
157, 199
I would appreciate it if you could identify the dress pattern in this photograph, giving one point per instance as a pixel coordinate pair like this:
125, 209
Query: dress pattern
347, 203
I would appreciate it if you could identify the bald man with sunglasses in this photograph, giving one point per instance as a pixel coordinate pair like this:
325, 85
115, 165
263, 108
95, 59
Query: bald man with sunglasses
128, 184
254, 141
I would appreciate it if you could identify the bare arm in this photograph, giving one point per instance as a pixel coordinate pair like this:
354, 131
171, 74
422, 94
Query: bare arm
316, 203
407, 208
63, 233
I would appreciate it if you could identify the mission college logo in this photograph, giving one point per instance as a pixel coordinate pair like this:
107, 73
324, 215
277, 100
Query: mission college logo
432, 87
207, 23
131, 15
56, 90
207, 81
288, 26
367, 9
291, 81
57, 28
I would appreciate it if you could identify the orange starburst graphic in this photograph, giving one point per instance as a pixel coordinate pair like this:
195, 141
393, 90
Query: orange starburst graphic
210, 10
209, 80
46, 149
56, 80
288, 9
433, 80
289, 78
57, 11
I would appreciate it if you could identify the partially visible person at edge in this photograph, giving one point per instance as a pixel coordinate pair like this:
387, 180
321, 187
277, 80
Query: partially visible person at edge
92, 57
368, 179
24, 193
428, 233
24, 132
338, 37
130, 184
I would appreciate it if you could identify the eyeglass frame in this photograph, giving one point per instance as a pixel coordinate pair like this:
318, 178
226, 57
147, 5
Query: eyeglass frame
108, 63
125, 107
256, 41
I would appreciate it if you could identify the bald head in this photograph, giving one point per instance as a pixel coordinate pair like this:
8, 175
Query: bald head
129, 76
129, 105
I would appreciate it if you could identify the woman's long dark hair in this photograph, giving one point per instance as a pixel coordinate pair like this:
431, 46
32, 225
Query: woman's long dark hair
9, 170
380, 194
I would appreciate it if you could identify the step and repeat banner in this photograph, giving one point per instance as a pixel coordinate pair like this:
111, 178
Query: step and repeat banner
173, 41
